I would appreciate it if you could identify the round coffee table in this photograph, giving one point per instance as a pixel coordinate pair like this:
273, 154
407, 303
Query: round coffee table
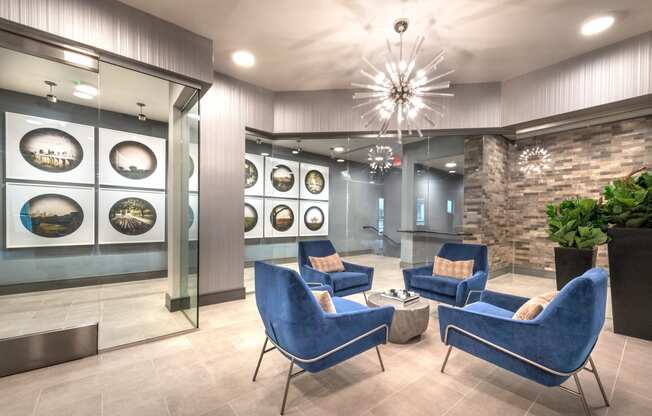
410, 320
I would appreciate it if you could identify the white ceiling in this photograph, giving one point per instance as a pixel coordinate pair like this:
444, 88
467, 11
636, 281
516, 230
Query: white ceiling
119, 88
318, 44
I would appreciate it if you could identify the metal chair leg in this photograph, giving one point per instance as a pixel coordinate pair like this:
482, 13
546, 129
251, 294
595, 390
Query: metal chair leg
594, 370
448, 353
260, 359
382, 366
582, 398
287, 386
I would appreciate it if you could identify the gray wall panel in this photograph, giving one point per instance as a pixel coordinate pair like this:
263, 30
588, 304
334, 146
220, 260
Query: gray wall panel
226, 109
118, 28
613, 73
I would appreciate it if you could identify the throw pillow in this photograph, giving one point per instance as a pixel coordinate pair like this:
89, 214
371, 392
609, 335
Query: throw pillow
533, 307
324, 300
327, 264
461, 269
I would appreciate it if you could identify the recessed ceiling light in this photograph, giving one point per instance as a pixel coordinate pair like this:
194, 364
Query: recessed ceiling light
597, 25
244, 58
451, 164
82, 95
338, 149
86, 89
264, 154
340, 161
451, 171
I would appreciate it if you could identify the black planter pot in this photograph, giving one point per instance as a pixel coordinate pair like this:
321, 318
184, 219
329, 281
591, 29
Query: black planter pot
572, 262
630, 274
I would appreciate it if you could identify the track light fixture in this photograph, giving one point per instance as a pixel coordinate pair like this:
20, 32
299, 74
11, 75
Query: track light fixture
298, 149
50, 96
141, 115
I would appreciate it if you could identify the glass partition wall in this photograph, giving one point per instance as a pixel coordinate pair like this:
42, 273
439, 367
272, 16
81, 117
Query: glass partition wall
381, 203
100, 200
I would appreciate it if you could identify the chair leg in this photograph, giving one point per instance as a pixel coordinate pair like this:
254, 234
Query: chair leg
260, 359
582, 398
448, 353
594, 370
287, 386
365, 296
382, 366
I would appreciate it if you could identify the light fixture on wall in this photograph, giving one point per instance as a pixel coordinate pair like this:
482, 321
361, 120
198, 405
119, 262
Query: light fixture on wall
141, 114
402, 90
450, 164
298, 148
597, 25
534, 160
50, 96
380, 158
338, 149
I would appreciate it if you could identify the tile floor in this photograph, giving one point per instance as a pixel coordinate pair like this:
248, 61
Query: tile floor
208, 373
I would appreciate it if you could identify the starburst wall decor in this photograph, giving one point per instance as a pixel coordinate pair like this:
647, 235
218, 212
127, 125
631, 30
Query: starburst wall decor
401, 91
534, 160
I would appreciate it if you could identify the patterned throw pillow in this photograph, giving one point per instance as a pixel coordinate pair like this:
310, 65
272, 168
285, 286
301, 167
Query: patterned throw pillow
327, 264
324, 300
455, 269
533, 307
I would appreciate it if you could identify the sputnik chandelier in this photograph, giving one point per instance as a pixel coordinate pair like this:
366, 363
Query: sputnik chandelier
534, 160
400, 90
380, 158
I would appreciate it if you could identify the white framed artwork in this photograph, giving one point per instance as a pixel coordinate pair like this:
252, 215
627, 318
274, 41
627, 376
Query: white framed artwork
193, 177
281, 178
314, 182
254, 213
281, 217
41, 149
313, 218
49, 215
127, 216
193, 217
131, 160
254, 170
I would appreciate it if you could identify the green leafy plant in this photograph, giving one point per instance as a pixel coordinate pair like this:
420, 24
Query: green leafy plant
629, 200
576, 223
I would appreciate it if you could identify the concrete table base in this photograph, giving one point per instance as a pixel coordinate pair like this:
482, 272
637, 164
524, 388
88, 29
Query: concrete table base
409, 321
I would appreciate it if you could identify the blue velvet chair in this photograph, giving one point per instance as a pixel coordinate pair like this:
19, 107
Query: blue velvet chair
297, 326
354, 279
549, 349
445, 289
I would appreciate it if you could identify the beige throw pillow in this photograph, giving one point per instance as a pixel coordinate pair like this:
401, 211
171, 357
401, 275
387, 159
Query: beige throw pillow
327, 264
324, 300
456, 269
533, 307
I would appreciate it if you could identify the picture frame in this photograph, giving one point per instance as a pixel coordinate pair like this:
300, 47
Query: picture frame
127, 216
314, 182
49, 215
47, 150
281, 217
254, 181
130, 160
281, 178
254, 217
310, 214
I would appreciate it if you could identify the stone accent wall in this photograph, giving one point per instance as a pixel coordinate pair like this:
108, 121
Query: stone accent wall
583, 161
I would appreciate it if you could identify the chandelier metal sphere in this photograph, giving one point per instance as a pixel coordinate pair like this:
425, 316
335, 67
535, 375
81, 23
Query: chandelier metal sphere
380, 159
401, 92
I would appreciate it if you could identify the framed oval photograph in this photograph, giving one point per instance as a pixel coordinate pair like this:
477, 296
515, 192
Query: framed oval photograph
250, 217
51, 150
282, 217
51, 215
282, 178
250, 174
133, 160
313, 218
315, 182
132, 216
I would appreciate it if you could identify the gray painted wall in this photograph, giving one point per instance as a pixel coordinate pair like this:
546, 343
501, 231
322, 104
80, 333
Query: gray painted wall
56, 263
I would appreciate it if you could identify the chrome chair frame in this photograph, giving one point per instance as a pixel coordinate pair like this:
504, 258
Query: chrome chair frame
579, 393
294, 359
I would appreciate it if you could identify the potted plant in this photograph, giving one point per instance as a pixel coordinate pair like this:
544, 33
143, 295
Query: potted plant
577, 226
628, 209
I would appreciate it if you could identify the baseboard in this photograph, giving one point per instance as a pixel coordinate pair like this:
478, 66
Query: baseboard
18, 288
221, 297
499, 272
548, 274
176, 304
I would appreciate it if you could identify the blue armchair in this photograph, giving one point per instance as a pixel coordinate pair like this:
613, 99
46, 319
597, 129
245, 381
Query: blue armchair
354, 279
549, 349
445, 289
299, 329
